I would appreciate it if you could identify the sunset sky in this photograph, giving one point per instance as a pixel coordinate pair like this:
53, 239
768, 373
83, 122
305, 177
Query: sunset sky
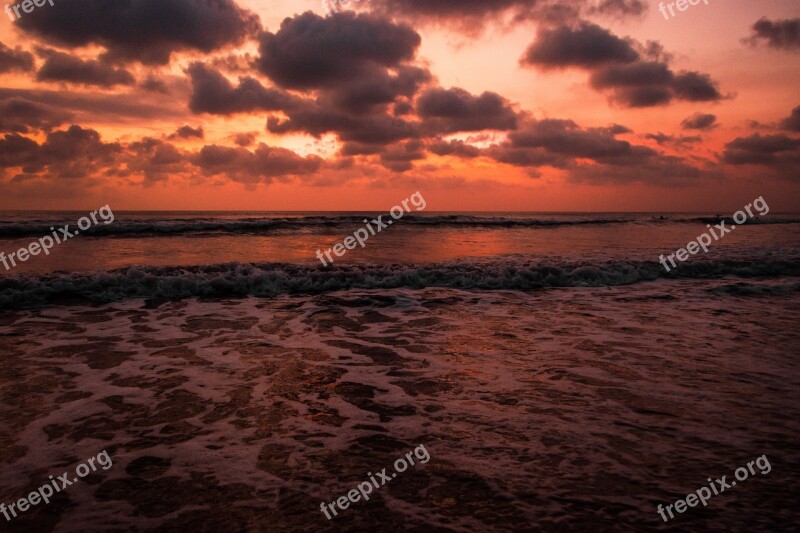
536, 105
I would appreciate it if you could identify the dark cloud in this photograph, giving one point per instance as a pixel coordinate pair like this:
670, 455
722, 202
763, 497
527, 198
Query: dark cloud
591, 154
699, 121
310, 52
650, 83
455, 148
263, 165
670, 140
188, 132
792, 122
73, 153
59, 66
15, 59
21, 115
635, 75
781, 34
148, 31
79, 153
587, 46
376, 128
354, 69
375, 87
98, 106
355, 148
155, 84
661, 170
696, 87
777, 151
621, 8
154, 159
17, 151
472, 16
245, 139
454, 110
566, 139
399, 158
213, 93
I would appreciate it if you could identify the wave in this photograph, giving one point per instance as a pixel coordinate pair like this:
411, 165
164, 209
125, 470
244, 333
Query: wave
168, 227
273, 279
208, 226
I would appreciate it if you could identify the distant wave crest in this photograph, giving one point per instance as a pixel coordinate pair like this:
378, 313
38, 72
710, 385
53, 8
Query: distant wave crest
168, 227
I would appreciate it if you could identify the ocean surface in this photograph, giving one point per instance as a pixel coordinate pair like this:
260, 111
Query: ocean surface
559, 377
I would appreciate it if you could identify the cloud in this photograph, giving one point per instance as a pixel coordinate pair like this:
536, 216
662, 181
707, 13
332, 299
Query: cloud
454, 110
310, 52
314, 119
780, 34
374, 88
77, 153
792, 122
586, 46
472, 16
620, 8
670, 140
775, 151
352, 68
592, 155
148, 31
63, 67
635, 75
650, 83
566, 139
21, 115
15, 59
187, 132
69, 154
399, 157
455, 148
154, 159
699, 121
212, 93
262, 165
97, 106
245, 139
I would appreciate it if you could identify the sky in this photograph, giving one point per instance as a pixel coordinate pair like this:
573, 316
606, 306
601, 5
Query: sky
494, 105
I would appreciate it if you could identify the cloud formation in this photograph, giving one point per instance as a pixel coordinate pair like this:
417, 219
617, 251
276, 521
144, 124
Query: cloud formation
15, 59
310, 52
62, 67
699, 121
633, 74
792, 122
454, 110
781, 34
148, 31
20, 115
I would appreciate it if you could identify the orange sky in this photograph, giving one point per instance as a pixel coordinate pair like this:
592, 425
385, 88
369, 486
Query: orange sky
756, 82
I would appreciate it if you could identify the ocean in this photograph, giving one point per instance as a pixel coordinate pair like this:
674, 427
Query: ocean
559, 377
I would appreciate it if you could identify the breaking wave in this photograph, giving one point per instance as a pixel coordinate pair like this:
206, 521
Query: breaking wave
273, 279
